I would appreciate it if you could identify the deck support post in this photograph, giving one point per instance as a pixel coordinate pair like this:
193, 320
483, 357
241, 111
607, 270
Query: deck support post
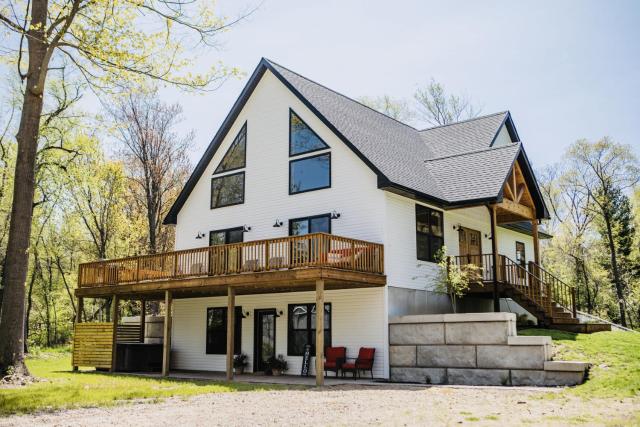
494, 254
115, 302
319, 332
166, 347
143, 318
79, 310
231, 323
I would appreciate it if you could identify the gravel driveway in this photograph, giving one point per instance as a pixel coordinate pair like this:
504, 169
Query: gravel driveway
354, 406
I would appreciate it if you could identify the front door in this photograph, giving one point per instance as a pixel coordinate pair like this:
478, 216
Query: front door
470, 245
264, 338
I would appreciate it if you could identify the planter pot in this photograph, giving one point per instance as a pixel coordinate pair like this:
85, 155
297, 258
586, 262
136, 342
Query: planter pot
276, 372
239, 370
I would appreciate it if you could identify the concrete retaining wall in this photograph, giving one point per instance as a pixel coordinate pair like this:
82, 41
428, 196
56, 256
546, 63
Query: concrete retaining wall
474, 349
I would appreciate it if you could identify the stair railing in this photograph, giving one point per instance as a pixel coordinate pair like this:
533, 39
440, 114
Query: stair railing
526, 282
562, 293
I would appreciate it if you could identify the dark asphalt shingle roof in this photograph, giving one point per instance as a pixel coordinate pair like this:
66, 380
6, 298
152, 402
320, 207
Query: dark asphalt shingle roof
406, 156
450, 165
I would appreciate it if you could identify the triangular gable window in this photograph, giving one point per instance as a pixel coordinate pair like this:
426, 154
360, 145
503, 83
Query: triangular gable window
236, 155
301, 138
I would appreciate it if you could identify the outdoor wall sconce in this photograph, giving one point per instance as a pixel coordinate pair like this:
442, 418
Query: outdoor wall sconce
246, 314
488, 236
279, 313
457, 227
200, 235
246, 228
335, 215
278, 223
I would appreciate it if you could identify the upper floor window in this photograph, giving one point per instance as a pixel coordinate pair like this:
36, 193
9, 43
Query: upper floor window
301, 138
429, 233
310, 173
236, 156
228, 190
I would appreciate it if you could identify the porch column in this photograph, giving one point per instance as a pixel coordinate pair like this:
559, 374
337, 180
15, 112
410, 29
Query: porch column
495, 257
231, 323
319, 332
79, 310
115, 302
166, 347
143, 318
536, 241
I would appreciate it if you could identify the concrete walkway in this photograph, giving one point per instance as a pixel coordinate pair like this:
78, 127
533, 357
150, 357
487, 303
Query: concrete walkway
264, 379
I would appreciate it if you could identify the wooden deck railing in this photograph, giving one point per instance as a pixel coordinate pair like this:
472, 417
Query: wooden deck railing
535, 282
311, 250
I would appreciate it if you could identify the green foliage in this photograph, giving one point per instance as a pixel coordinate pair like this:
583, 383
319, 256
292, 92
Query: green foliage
452, 280
62, 388
616, 366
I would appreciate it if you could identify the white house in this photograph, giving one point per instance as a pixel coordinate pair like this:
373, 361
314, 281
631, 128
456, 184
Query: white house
305, 195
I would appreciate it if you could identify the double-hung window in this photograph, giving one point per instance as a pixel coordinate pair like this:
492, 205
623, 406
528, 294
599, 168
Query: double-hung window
228, 189
307, 173
429, 233
302, 328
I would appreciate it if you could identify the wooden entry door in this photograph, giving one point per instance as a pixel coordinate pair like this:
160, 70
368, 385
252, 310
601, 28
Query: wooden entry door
470, 242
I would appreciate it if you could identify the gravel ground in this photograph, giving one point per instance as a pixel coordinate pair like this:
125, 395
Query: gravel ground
354, 406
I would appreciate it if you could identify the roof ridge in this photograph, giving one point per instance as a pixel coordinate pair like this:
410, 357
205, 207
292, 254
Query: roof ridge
465, 121
472, 152
342, 95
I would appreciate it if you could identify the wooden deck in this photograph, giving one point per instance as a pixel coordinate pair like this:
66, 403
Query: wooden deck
261, 266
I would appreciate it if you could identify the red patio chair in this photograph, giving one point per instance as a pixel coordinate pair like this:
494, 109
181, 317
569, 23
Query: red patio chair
334, 358
364, 362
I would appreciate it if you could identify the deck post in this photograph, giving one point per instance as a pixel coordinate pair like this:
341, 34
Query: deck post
319, 332
79, 311
494, 254
166, 347
231, 323
536, 241
114, 343
143, 318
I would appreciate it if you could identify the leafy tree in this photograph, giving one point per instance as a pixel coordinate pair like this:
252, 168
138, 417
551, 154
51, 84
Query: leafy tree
438, 108
112, 44
395, 108
600, 171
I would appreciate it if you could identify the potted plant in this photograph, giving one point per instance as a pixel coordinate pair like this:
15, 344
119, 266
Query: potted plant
278, 365
240, 362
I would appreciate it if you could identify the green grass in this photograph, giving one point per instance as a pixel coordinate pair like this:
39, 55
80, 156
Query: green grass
62, 388
615, 357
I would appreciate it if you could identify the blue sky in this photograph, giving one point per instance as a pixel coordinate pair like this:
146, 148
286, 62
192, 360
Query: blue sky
565, 69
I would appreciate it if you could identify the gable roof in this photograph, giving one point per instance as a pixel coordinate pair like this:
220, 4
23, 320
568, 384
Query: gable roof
452, 165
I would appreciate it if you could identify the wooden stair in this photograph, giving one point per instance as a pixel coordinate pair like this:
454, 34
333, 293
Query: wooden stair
547, 298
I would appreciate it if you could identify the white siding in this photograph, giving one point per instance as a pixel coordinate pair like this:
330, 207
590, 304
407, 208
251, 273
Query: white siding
401, 264
353, 193
358, 320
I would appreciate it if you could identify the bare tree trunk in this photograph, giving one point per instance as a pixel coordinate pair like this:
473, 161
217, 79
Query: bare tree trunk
614, 269
17, 260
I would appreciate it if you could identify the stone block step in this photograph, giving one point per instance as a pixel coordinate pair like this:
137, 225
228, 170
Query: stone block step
566, 366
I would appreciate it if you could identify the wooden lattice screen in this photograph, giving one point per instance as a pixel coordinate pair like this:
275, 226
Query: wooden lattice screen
92, 344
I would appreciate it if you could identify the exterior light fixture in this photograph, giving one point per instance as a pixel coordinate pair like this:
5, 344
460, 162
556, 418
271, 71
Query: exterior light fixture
278, 223
279, 313
200, 235
246, 314
335, 215
246, 228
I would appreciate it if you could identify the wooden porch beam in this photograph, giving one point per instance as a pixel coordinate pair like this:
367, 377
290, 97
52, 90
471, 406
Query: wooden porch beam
166, 346
517, 208
79, 310
231, 323
536, 241
319, 332
143, 319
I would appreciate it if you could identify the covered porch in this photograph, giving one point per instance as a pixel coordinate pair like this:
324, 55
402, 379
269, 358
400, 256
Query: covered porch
314, 263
